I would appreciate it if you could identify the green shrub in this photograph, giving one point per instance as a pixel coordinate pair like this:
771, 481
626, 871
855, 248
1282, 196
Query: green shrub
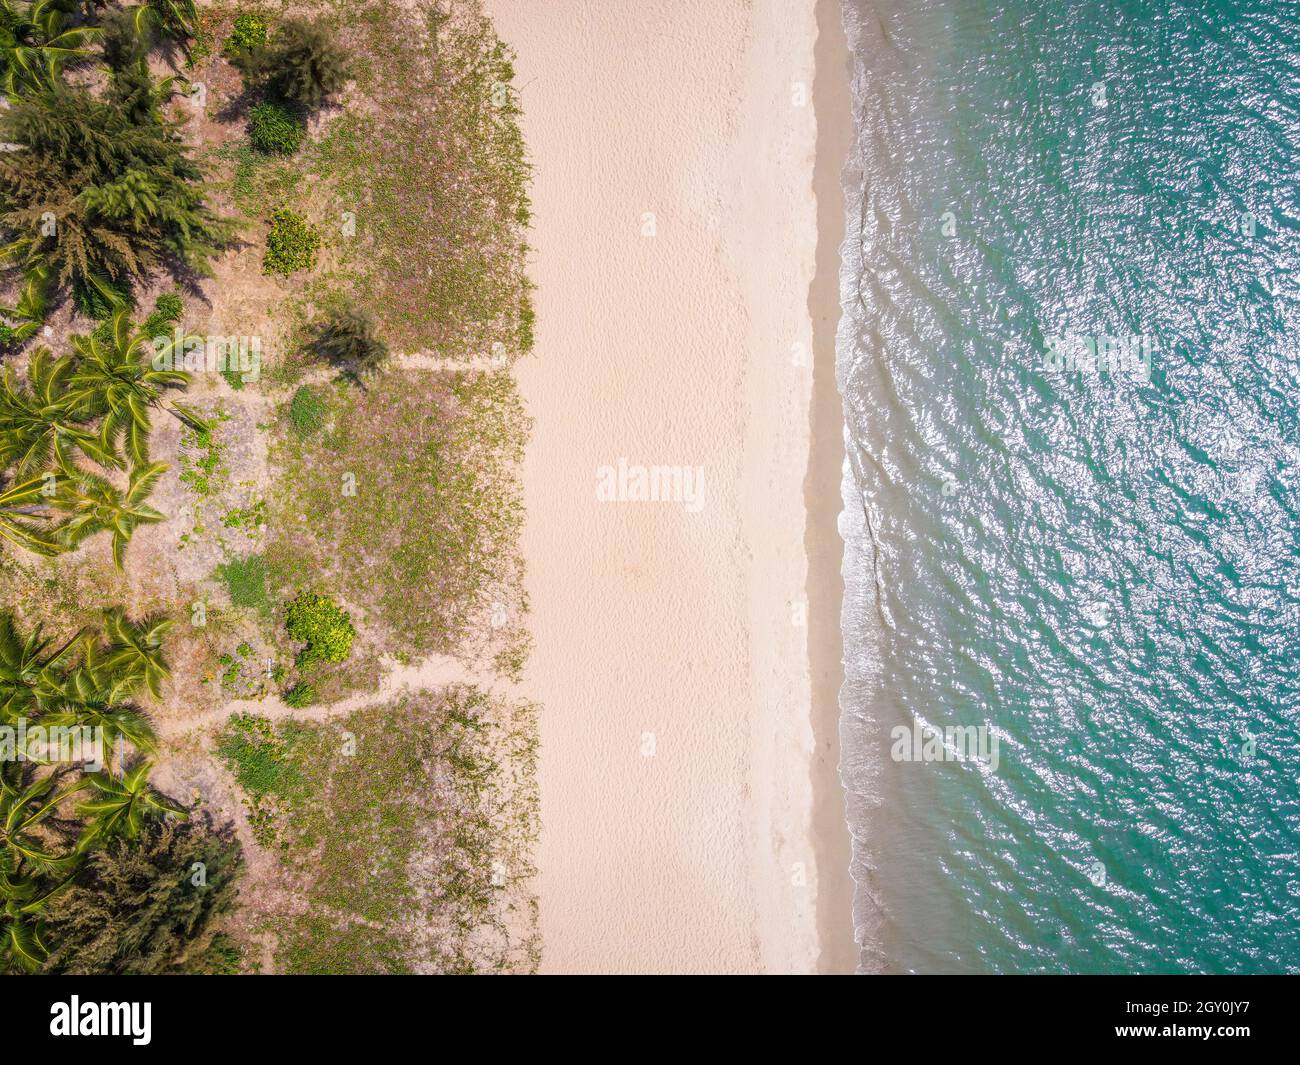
301, 694
221, 957
275, 129
168, 306
255, 755
306, 412
7, 335
247, 34
245, 580
291, 245
322, 626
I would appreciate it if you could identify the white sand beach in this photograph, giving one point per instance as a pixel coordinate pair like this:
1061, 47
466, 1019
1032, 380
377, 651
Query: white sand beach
691, 818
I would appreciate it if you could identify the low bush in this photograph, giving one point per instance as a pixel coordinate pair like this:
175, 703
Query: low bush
245, 581
326, 630
301, 694
303, 63
306, 412
247, 34
291, 245
275, 129
167, 311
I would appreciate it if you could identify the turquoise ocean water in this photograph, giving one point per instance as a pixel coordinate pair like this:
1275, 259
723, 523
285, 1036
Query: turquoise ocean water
1071, 368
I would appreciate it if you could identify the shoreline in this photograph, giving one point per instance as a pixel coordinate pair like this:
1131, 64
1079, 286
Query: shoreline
685, 245
824, 498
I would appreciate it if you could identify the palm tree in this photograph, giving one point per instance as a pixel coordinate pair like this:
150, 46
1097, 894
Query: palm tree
35, 45
23, 806
31, 871
93, 504
92, 696
29, 311
25, 518
41, 424
122, 805
135, 648
174, 18
27, 667
119, 381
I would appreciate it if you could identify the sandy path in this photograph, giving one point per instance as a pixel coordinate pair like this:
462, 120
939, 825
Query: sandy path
435, 672
676, 237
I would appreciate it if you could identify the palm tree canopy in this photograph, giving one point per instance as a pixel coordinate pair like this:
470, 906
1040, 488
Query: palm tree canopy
116, 377
42, 423
35, 44
135, 649
25, 518
93, 504
121, 805
27, 667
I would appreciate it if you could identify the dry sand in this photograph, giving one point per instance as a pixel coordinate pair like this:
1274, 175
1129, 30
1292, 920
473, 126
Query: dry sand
687, 662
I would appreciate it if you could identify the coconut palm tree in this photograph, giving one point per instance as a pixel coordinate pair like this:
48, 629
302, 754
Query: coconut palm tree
36, 43
91, 696
173, 18
28, 668
43, 423
135, 649
32, 868
26, 518
93, 504
29, 311
24, 804
125, 375
121, 805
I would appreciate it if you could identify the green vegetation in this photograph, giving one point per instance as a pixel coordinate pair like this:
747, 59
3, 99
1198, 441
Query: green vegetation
53, 503
417, 814
135, 647
274, 128
406, 828
87, 681
245, 581
437, 508
93, 504
247, 33
150, 907
306, 411
322, 626
250, 517
117, 376
301, 694
103, 192
168, 311
291, 245
302, 64
202, 468
101, 299
176, 19
36, 44
441, 265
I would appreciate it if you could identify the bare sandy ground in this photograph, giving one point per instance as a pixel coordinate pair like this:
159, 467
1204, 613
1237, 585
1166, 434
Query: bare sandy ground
691, 819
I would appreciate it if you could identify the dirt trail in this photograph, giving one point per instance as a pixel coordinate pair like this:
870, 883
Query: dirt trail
436, 671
